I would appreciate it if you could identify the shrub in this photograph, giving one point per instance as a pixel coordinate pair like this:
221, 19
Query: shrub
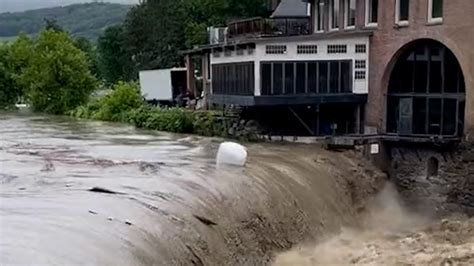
116, 105
124, 104
207, 123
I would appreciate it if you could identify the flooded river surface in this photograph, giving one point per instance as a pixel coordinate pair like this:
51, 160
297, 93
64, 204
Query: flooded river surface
93, 193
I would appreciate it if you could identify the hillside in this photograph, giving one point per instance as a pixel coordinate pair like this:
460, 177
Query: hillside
81, 20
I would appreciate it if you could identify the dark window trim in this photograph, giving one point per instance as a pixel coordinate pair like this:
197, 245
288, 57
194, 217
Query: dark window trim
339, 80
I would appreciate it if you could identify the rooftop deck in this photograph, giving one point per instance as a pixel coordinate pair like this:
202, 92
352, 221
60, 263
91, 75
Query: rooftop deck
261, 27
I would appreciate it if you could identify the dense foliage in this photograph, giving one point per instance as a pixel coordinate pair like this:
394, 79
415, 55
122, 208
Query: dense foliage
113, 62
56, 76
8, 94
81, 20
124, 104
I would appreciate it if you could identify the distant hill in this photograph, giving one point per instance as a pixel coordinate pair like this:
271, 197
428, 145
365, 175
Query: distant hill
81, 20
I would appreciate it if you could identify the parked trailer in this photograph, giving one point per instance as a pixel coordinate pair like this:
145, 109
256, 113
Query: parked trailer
163, 86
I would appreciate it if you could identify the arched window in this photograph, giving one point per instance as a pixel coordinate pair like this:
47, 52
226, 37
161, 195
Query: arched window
426, 92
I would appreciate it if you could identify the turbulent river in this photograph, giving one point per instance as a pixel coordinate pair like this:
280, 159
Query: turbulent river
93, 193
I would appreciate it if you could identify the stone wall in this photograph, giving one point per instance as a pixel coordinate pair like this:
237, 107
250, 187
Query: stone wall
450, 190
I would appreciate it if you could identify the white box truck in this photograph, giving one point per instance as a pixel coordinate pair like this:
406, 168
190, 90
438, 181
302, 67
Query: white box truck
163, 86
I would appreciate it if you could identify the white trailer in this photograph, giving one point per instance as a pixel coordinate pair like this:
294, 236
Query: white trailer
162, 85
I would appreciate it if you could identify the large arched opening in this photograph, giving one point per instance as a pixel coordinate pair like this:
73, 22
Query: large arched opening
426, 92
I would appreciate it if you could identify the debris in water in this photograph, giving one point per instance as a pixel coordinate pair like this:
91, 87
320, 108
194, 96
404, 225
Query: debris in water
204, 220
48, 167
103, 190
93, 212
231, 153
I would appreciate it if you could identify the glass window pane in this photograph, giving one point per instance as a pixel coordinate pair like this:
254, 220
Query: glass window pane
289, 78
312, 86
451, 69
434, 122
460, 121
404, 9
323, 77
300, 78
320, 15
419, 115
392, 114
346, 75
277, 78
334, 77
435, 74
449, 116
373, 11
334, 14
350, 12
421, 70
437, 9
266, 79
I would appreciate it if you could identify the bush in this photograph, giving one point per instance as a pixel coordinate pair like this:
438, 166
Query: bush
116, 105
124, 104
206, 123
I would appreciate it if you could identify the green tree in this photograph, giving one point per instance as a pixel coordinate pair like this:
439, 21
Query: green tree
155, 33
113, 60
91, 52
52, 25
57, 78
14, 58
8, 92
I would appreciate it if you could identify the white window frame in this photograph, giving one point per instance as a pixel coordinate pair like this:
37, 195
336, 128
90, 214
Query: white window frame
346, 15
397, 15
368, 10
317, 18
431, 19
331, 9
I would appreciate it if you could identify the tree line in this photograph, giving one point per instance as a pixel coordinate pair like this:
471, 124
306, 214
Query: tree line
56, 73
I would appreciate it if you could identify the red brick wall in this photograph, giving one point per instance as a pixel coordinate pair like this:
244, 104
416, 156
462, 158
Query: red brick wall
456, 32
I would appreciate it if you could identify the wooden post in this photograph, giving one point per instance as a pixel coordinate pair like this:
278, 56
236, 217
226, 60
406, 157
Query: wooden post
206, 86
190, 79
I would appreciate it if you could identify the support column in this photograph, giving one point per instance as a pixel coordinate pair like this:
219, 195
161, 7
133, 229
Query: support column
206, 85
190, 79
358, 119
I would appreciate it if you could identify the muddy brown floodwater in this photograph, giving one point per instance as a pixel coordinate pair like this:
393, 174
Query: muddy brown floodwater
92, 193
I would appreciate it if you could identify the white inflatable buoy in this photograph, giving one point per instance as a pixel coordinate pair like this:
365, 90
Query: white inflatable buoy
231, 153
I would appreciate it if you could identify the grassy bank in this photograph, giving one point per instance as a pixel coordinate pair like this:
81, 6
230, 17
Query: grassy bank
124, 104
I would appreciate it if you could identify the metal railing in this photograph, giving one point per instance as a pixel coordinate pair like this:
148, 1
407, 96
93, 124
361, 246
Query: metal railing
258, 27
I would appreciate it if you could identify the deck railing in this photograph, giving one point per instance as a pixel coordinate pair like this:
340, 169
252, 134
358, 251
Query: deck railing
259, 27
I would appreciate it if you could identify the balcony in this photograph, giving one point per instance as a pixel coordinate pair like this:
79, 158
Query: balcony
269, 27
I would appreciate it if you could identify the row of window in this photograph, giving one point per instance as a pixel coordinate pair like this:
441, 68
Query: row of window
228, 53
233, 79
310, 77
313, 49
435, 13
402, 15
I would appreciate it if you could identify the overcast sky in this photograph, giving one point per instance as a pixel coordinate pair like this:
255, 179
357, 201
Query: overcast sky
21, 5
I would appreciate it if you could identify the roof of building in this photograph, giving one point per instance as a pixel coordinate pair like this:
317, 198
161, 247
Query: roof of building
291, 8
